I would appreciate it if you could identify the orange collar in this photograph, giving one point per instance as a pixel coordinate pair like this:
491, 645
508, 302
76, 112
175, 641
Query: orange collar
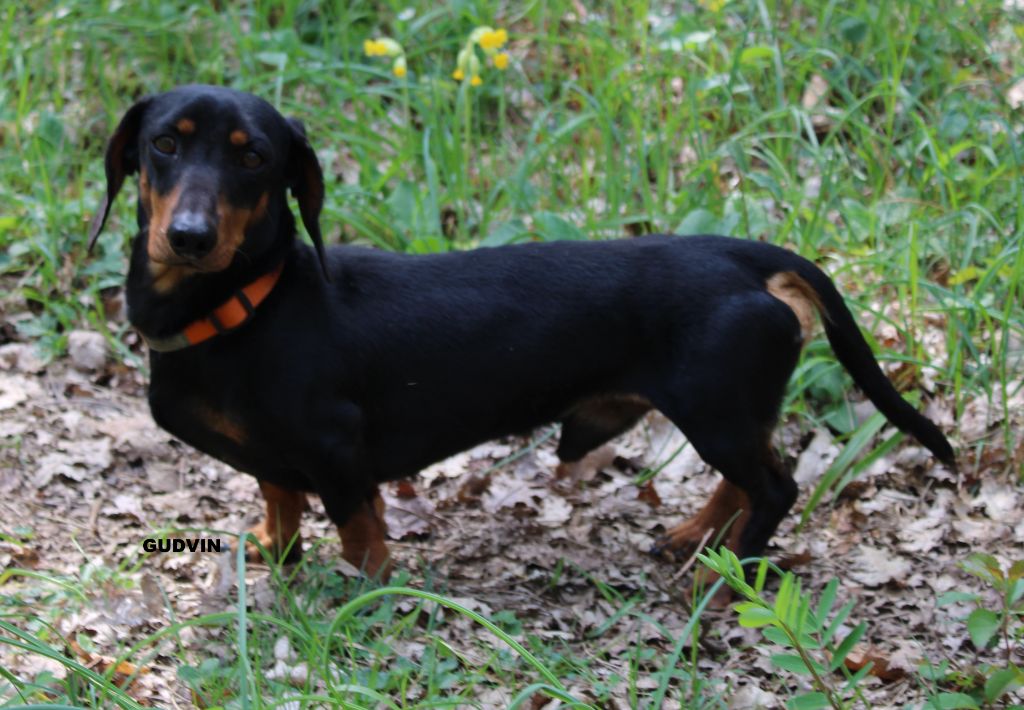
231, 314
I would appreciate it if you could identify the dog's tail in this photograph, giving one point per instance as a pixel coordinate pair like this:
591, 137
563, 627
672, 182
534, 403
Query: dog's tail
855, 355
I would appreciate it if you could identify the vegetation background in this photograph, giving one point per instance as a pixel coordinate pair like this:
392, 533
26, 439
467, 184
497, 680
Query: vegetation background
880, 139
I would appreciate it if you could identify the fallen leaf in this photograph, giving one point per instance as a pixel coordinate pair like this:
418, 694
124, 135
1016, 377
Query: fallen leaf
814, 92
102, 664
874, 567
816, 458
862, 655
554, 511
649, 495
15, 389
407, 514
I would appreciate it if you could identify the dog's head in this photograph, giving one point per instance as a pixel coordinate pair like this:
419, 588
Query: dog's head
214, 166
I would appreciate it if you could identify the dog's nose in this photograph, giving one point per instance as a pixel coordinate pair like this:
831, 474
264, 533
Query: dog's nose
191, 235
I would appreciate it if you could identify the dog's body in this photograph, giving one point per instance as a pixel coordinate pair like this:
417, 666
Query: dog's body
333, 385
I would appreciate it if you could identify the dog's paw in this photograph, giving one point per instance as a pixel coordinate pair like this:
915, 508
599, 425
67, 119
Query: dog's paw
682, 542
266, 539
374, 562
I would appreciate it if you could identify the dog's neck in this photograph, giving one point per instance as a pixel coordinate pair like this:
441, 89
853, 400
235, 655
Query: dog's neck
159, 310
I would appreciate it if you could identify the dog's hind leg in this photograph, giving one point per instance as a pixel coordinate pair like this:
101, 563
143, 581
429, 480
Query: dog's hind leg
720, 521
752, 499
593, 423
726, 398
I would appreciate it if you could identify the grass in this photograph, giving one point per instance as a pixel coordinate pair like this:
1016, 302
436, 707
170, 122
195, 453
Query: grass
878, 139
389, 645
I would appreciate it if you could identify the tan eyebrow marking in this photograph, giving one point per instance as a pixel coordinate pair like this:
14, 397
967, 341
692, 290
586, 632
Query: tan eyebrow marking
239, 137
185, 126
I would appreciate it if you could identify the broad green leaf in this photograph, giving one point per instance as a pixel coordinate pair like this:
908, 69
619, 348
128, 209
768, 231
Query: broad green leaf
982, 625
839, 620
784, 599
428, 245
808, 642
754, 616
936, 672
506, 233
777, 635
952, 701
983, 566
553, 228
853, 29
808, 701
756, 55
273, 59
843, 649
793, 663
1015, 592
762, 574
699, 221
828, 598
856, 678
1002, 682
947, 598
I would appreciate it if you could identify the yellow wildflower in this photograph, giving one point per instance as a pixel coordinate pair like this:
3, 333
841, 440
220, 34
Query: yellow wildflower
493, 39
382, 47
489, 40
399, 68
477, 33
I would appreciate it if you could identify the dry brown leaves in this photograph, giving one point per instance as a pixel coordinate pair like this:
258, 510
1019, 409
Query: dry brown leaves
86, 469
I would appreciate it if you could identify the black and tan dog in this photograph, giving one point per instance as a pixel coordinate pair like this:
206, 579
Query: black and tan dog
330, 371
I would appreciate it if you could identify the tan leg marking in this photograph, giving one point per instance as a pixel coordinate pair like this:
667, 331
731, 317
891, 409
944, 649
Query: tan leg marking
281, 524
728, 505
362, 539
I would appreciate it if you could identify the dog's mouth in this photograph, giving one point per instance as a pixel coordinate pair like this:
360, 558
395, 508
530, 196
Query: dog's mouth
168, 273
177, 262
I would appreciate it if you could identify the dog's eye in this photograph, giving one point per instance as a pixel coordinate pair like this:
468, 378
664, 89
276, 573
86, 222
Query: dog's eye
165, 144
251, 159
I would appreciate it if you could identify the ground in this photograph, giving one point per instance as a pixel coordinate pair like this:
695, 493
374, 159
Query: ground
90, 476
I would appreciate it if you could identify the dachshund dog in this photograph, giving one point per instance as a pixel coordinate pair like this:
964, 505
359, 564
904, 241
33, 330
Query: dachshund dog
329, 371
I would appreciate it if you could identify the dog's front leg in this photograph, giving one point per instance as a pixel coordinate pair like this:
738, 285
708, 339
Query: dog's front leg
342, 478
279, 530
363, 538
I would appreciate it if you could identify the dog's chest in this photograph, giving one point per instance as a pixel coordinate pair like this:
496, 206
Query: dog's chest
201, 414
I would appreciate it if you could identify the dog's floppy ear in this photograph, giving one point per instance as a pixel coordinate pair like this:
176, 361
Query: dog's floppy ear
307, 184
122, 159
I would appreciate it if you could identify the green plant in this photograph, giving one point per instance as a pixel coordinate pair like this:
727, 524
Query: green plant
1001, 629
811, 634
